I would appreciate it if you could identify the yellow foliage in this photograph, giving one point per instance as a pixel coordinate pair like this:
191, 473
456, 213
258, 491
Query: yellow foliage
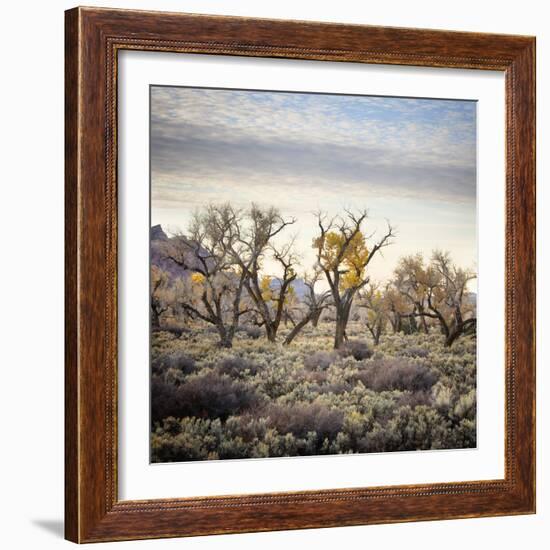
353, 261
265, 287
197, 278
290, 297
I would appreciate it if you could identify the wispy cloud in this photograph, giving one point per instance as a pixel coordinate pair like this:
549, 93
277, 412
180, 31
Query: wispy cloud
393, 146
301, 151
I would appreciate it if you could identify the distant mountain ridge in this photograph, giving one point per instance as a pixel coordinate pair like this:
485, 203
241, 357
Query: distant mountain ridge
298, 285
158, 234
159, 241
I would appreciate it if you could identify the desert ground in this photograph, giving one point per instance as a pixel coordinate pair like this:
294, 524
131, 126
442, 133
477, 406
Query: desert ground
262, 399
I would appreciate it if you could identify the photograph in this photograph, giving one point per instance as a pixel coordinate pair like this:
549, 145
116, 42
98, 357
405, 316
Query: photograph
313, 274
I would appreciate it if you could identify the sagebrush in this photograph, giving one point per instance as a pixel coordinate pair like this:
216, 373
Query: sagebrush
263, 399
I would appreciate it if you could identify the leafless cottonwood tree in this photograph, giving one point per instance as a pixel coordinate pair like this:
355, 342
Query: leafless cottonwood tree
217, 284
162, 295
343, 256
373, 300
438, 291
410, 279
397, 307
448, 300
315, 304
253, 242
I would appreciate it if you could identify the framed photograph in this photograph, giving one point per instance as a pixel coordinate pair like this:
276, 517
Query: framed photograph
300, 275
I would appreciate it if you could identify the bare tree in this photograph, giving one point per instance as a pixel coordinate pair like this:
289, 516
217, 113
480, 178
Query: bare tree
411, 278
343, 256
397, 307
291, 306
438, 291
216, 282
315, 304
372, 299
252, 244
162, 295
448, 300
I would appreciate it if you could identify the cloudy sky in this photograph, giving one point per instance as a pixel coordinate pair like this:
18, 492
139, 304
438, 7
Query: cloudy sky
411, 161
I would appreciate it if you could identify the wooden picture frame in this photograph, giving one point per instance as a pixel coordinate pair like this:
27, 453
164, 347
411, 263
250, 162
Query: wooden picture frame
93, 511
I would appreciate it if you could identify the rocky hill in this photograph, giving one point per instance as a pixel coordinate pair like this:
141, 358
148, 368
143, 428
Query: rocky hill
159, 243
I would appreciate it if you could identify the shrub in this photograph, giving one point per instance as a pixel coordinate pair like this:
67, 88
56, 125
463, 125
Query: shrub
164, 399
413, 399
420, 428
332, 387
260, 400
463, 436
247, 426
466, 406
204, 396
355, 425
237, 366
181, 361
320, 360
357, 349
175, 360
196, 439
200, 439
251, 331
300, 419
396, 374
317, 377
444, 398
157, 364
172, 426
378, 440
175, 330
414, 351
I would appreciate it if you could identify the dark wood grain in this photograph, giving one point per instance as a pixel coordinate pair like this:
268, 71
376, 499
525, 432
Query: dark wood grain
71, 269
93, 39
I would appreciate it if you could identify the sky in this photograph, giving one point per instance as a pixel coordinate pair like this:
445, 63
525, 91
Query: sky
409, 161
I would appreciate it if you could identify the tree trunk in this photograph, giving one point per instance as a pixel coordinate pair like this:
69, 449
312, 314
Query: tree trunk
452, 336
342, 317
315, 319
377, 334
155, 318
296, 330
396, 323
226, 336
424, 325
339, 336
340, 332
226, 343
271, 332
